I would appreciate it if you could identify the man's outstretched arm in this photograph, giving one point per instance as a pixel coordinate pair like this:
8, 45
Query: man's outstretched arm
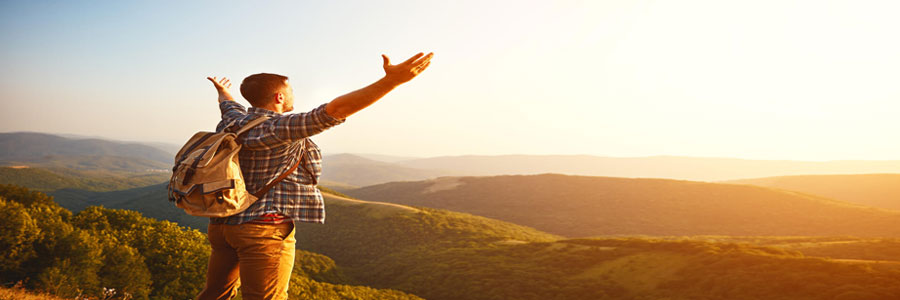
395, 75
230, 109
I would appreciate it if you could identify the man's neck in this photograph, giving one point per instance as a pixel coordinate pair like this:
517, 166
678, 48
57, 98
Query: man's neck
273, 108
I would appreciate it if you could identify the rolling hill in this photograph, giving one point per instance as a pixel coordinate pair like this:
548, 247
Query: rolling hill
437, 254
358, 171
581, 206
671, 167
876, 190
56, 152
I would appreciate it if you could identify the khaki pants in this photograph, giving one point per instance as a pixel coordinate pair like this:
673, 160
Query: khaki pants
256, 257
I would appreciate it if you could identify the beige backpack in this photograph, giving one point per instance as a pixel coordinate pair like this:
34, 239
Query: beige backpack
207, 181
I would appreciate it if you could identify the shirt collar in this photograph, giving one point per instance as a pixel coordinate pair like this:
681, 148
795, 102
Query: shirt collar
262, 111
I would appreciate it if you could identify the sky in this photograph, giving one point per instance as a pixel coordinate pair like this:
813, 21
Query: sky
794, 80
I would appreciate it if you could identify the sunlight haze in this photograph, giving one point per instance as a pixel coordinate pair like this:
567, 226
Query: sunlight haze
797, 80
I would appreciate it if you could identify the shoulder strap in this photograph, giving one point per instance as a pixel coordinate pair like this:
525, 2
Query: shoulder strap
262, 192
251, 124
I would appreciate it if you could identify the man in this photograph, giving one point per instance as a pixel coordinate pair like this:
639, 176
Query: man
254, 249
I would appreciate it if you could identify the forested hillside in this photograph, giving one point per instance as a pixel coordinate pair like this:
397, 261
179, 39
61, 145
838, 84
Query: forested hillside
582, 206
48, 248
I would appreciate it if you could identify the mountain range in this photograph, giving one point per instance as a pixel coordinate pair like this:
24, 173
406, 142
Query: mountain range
343, 171
670, 167
94, 156
85, 155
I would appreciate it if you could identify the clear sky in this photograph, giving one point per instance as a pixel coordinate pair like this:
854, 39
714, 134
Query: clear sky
802, 80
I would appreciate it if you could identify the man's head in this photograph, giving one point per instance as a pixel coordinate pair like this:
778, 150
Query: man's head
269, 91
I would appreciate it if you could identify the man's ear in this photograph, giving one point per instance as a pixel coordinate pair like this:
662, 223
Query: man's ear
279, 98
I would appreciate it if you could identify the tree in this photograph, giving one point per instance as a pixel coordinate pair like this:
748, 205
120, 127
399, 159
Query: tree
17, 233
124, 270
77, 259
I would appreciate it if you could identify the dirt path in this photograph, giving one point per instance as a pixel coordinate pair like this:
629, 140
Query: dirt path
356, 201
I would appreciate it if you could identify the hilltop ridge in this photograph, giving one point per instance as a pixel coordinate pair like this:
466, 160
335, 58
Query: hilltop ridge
581, 206
102, 156
876, 190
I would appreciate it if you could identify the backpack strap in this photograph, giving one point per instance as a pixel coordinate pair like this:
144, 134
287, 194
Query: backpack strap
262, 192
251, 124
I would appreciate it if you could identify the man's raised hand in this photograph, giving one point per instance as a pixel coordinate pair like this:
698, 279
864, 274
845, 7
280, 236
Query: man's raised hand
222, 86
407, 70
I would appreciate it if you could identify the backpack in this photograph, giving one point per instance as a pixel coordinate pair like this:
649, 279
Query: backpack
207, 180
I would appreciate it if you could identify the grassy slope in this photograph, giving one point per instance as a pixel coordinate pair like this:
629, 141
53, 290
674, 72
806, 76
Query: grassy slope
442, 255
877, 190
316, 276
579, 206
874, 250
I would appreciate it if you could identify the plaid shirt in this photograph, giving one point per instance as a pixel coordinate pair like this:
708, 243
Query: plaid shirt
272, 148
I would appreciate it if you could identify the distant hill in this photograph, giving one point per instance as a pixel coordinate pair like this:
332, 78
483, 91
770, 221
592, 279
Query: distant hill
56, 152
671, 167
385, 158
877, 190
581, 206
26, 145
359, 171
167, 147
